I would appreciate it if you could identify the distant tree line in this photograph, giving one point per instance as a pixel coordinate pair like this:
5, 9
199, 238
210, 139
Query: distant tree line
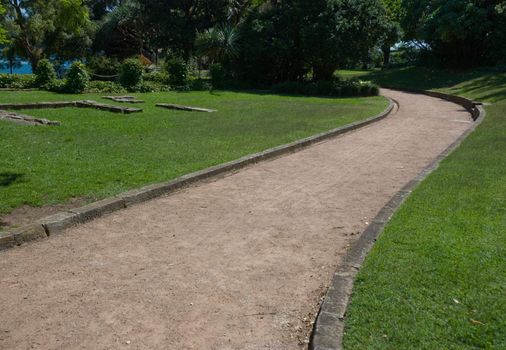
258, 41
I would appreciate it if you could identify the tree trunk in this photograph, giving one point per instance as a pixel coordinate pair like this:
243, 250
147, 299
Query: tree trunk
386, 56
34, 61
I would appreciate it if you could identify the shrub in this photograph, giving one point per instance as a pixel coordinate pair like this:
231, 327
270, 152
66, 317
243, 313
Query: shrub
366, 88
148, 87
108, 87
200, 85
350, 88
337, 91
44, 74
326, 88
103, 66
17, 81
131, 74
375, 90
178, 72
57, 85
289, 87
77, 78
311, 89
334, 88
218, 76
157, 77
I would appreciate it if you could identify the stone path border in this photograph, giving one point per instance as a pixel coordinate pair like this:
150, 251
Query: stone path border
25, 119
185, 108
54, 224
328, 331
64, 104
123, 99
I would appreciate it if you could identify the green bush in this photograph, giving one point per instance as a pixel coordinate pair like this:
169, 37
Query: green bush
57, 85
17, 81
157, 77
367, 88
148, 87
218, 76
326, 88
45, 74
178, 73
103, 66
347, 90
107, 87
311, 89
289, 87
131, 74
200, 85
375, 90
334, 88
77, 78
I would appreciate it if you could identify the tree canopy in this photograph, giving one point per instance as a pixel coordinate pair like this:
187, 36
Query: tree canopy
41, 28
458, 32
259, 41
3, 32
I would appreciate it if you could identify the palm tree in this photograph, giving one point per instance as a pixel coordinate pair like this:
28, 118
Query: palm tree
219, 44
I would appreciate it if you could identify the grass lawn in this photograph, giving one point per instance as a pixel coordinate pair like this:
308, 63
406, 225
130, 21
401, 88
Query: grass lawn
436, 279
350, 74
96, 154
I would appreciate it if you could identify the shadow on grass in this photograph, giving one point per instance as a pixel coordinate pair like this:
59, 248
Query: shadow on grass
483, 84
8, 178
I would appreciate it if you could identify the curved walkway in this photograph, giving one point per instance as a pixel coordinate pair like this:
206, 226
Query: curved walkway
239, 262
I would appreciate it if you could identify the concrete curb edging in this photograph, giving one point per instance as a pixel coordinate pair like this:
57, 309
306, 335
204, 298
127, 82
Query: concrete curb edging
328, 330
56, 223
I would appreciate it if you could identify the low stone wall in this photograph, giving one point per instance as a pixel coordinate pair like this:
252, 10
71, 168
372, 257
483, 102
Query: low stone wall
65, 104
28, 120
185, 108
106, 107
470, 106
25, 119
37, 105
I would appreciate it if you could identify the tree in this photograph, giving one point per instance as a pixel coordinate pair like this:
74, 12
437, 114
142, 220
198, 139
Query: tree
177, 22
42, 28
100, 8
270, 49
219, 44
393, 31
459, 33
287, 40
336, 32
3, 32
124, 31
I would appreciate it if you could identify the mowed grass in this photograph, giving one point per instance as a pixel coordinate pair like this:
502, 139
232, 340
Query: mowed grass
436, 278
95, 154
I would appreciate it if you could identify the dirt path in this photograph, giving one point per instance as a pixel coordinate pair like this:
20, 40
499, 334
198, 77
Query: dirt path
236, 263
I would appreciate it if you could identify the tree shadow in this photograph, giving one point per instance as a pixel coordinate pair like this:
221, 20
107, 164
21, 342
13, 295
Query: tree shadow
8, 178
481, 84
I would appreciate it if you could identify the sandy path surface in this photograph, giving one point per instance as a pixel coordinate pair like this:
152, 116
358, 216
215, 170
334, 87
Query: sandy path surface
239, 262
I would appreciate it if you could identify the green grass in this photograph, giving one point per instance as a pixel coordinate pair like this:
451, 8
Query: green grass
436, 278
95, 154
350, 74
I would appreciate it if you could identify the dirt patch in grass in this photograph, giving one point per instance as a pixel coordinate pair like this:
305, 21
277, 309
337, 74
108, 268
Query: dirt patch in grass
26, 214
